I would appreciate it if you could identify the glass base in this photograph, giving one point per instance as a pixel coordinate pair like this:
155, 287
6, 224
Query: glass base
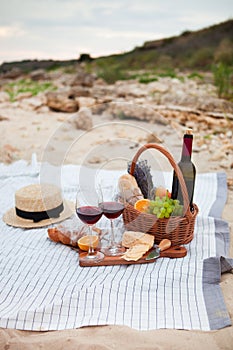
93, 258
113, 251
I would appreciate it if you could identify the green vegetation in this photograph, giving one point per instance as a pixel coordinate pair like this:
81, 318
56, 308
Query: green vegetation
207, 137
146, 80
27, 85
111, 73
206, 50
223, 77
190, 52
195, 75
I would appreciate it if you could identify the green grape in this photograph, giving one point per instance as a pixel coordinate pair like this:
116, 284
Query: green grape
165, 207
155, 211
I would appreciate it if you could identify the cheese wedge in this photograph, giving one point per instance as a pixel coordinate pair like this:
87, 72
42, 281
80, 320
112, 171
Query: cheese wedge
131, 238
138, 243
135, 252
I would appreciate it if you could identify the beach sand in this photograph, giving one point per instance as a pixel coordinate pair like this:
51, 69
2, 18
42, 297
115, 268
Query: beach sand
48, 133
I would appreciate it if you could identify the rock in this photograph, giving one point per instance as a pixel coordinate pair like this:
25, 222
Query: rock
96, 160
84, 79
23, 95
130, 89
157, 86
133, 111
2, 118
100, 81
43, 109
61, 101
86, 101
39, 74
34, 102
230, 182
4, 97
13, 73
100, 91
218, 155
79, 91
153, 138
83, 119
8, 154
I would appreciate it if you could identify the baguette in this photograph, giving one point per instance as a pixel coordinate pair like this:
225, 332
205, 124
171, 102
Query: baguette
128, 189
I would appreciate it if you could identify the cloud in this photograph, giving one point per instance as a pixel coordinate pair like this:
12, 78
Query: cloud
11, 31
66, 28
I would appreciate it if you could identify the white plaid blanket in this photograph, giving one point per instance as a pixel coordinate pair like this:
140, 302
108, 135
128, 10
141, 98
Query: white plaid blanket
43, 288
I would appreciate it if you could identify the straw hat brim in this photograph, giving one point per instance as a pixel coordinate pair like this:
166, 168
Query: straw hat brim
10, 217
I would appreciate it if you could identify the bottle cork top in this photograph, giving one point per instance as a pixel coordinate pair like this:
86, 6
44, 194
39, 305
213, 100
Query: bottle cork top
188, 131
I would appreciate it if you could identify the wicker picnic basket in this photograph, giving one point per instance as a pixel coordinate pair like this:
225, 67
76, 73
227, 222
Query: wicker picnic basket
179, 229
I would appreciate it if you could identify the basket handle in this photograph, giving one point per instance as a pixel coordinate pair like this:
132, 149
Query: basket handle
173, 164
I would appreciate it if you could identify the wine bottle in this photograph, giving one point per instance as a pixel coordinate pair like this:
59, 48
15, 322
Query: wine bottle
188, 170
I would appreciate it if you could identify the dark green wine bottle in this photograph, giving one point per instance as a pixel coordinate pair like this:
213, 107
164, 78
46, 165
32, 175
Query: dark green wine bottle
188, 170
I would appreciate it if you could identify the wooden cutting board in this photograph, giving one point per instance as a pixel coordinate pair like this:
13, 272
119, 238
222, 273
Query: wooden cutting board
172, 252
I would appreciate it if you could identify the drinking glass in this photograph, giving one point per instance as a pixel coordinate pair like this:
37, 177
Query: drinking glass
112, 209
90, 213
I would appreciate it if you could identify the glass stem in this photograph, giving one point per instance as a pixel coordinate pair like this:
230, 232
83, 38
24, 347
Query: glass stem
113, 243
90, 248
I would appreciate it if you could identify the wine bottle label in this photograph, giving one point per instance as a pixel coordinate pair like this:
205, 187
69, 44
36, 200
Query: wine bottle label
187, 146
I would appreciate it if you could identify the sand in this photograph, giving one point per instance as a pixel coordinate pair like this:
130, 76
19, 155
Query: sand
52, 136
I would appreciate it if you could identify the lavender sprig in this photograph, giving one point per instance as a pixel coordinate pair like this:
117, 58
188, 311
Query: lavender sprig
143, 177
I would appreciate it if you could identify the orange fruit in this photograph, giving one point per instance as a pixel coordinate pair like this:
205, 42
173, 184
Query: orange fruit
142, 205
84, 242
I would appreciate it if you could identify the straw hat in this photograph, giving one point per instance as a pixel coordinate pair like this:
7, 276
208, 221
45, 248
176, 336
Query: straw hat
38, 206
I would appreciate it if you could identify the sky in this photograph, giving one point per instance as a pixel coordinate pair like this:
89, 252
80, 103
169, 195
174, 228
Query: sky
64, 29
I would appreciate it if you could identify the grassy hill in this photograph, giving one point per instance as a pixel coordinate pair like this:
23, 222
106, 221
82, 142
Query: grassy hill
188, 51
195, 52
209, 49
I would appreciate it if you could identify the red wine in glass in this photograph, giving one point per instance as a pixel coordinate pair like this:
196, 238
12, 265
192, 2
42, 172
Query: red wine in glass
89, 214
112, 210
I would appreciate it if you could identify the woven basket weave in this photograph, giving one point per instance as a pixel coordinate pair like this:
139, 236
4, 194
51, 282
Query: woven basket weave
179, 229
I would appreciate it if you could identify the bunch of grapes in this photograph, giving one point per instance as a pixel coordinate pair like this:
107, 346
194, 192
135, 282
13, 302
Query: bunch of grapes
165, 207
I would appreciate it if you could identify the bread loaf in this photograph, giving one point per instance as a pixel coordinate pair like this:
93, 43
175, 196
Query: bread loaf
128, 189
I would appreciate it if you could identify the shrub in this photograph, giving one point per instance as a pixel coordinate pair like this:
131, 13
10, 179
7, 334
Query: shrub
223, 75
111, 73
202, 58
224, 52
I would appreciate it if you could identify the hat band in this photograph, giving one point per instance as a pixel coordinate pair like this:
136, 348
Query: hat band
37, 216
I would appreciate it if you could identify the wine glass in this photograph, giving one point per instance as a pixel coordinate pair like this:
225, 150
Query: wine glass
112, 209
89, 213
